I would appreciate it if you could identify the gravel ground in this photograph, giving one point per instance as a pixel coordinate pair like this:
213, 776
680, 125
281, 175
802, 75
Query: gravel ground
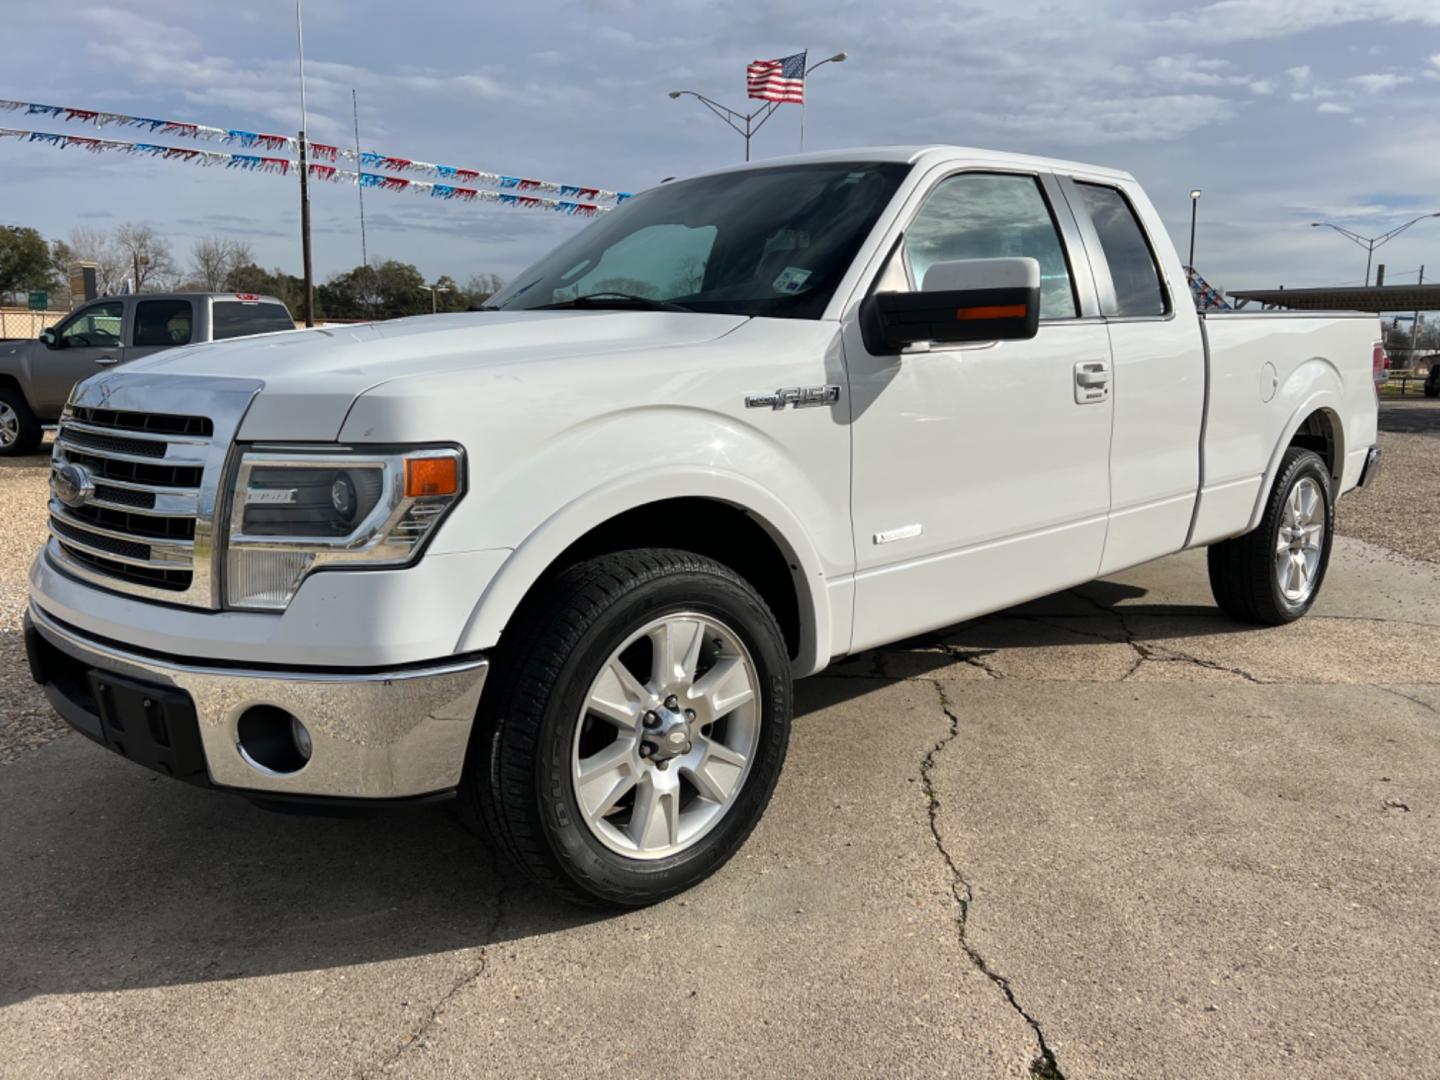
26, 719
1402, 510
1401, 513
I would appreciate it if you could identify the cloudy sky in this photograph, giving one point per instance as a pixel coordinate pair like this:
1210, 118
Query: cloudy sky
1283, 111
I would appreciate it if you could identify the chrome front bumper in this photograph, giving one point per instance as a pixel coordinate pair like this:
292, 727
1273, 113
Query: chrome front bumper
389, 734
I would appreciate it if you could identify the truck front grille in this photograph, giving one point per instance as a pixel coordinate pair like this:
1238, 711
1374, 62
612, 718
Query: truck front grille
135, 528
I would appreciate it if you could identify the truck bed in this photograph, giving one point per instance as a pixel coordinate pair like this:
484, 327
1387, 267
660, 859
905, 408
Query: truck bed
1267, 372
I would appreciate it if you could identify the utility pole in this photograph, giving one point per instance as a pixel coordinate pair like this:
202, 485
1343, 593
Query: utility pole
309, 302
1415, 326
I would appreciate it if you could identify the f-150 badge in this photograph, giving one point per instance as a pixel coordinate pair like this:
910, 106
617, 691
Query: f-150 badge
802, 397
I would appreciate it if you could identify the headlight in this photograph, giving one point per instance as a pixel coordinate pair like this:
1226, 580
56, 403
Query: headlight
292, 513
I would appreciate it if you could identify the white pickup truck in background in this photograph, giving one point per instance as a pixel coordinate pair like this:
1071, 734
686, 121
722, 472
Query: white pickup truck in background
563, 557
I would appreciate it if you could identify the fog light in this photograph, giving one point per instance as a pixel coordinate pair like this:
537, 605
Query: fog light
301, 737
272, 740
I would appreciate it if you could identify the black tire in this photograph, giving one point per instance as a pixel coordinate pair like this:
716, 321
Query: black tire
1432, 391
517, 778
1242, 570
28, 433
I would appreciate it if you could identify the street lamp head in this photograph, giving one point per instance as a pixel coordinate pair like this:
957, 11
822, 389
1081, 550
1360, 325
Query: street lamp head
676, 93
1195, 193
1317, 224
839, 57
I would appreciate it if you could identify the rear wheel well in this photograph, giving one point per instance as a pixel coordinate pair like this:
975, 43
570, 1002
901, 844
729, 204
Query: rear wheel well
1320, 432
718, 530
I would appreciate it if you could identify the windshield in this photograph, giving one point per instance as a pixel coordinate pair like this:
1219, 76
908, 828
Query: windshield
764, 242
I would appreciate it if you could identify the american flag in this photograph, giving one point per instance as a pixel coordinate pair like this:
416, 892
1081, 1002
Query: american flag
777, 80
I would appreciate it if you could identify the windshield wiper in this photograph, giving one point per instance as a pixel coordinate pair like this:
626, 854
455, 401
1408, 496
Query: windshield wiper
609, 299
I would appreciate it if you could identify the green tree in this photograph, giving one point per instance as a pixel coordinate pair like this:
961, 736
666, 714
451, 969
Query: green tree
386, 290
24, 260
287, 288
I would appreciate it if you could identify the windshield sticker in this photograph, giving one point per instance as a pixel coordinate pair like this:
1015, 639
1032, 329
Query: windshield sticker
791, 280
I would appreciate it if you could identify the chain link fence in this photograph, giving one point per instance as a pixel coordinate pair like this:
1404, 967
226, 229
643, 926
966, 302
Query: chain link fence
19, 323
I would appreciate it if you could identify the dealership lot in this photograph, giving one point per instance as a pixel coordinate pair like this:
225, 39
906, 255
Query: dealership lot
1109, 826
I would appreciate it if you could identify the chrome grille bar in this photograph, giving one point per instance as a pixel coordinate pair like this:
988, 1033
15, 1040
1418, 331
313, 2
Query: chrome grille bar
193, 460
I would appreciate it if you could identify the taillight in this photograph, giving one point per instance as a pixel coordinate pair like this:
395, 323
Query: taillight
1379, 365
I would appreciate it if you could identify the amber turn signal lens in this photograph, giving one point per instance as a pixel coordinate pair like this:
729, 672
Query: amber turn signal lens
431, 476
994, 311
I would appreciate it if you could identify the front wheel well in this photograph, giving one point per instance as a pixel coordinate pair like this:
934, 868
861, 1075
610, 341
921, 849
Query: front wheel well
717, 530
9, 382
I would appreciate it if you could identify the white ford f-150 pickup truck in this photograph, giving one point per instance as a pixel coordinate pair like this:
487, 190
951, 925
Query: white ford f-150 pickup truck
563, 557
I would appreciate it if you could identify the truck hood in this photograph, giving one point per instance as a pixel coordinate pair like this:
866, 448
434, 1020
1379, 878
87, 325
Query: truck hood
311, 377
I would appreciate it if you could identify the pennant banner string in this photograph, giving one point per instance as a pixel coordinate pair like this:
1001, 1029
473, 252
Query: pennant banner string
366, 159
318, 170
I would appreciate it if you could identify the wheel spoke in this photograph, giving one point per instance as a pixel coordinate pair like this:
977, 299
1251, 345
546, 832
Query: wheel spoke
718, 772
655, 819
723, 688
618, 696
605, 777
676, 645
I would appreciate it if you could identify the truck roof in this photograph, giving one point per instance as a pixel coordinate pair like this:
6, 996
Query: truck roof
934, 152
258, 297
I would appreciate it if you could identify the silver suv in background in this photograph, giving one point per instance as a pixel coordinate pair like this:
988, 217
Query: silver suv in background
36, 376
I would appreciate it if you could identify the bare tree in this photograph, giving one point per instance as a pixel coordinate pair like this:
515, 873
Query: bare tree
148, 255
95, 245
482, 285
214, 261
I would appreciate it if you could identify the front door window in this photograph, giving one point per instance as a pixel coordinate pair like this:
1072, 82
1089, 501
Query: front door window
95, 326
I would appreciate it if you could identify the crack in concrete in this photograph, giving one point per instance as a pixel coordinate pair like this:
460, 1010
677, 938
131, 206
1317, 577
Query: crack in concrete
1044, 1065
973, 657
1146, 652
470, 978
1413, 700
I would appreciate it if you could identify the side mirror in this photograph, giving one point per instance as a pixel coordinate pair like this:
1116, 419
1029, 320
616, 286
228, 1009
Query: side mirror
49, 338
962, 301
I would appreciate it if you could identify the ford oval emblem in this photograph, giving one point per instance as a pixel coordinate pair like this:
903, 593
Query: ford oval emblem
73, 485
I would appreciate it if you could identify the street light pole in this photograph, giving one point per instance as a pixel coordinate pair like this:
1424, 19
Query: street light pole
1194, 205
752, 122
838, 58
1370, 243
433, 289
733, 118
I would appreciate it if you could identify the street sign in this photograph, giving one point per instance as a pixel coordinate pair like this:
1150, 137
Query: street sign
39, 301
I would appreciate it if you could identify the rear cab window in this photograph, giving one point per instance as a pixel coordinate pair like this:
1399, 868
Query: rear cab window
1136, 279
243, 316
162, 323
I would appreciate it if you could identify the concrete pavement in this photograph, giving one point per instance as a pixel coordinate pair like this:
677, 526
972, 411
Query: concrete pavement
1109, 827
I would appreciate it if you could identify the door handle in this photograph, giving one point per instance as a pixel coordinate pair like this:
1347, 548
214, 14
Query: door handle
1092, 381
106, 361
